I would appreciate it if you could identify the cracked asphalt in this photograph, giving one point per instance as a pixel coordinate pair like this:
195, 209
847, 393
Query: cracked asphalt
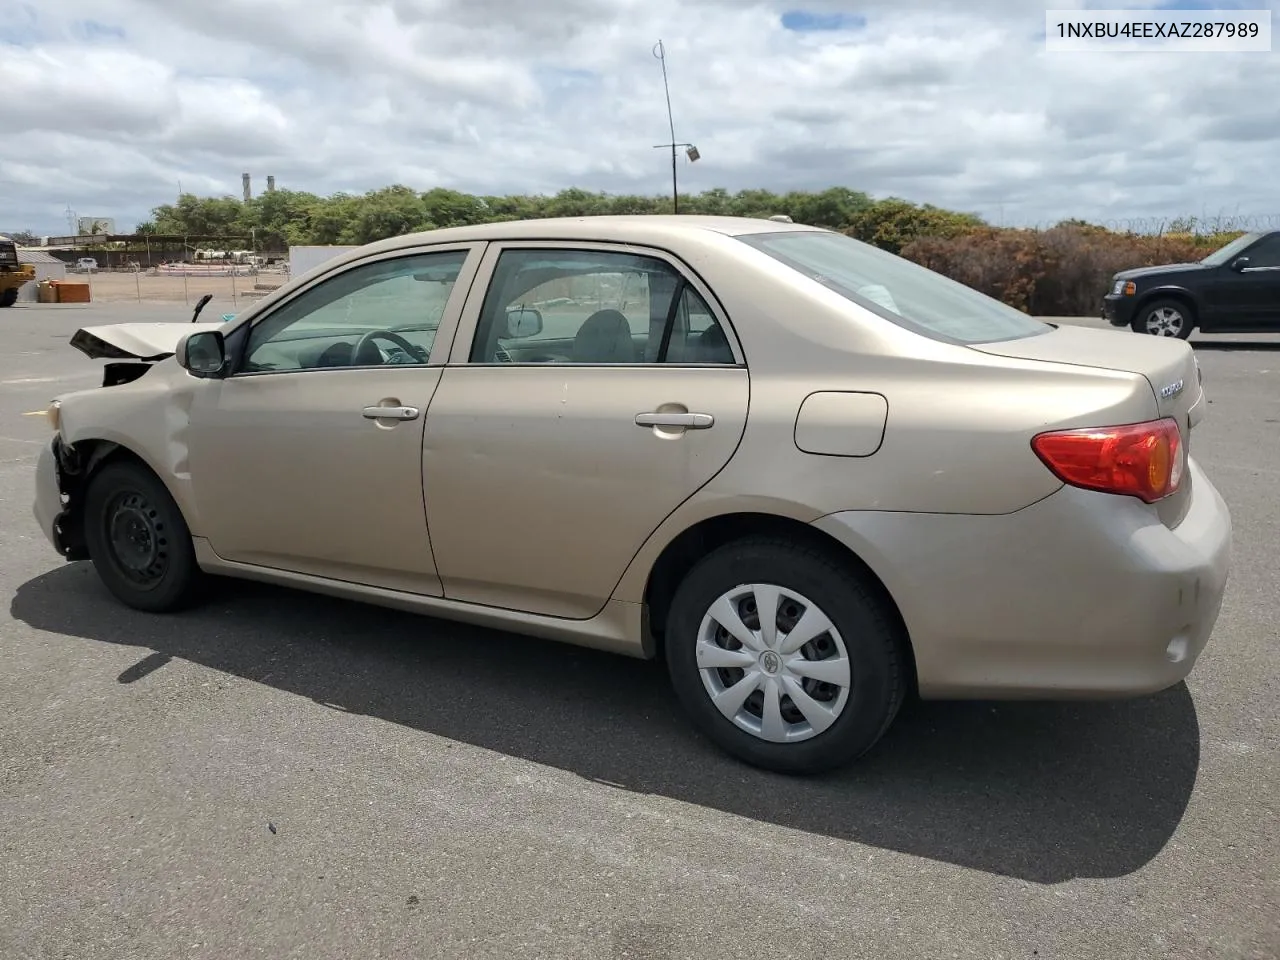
278, 775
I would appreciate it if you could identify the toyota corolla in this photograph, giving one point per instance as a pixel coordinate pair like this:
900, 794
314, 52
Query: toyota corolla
808, 474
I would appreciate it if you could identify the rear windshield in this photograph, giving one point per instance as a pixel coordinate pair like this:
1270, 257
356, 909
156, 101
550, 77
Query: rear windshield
895, 288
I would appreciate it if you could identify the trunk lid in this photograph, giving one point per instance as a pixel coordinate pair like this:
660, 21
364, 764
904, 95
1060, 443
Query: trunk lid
129, 341
1168, 364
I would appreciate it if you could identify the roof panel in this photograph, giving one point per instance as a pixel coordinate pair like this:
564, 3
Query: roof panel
36, 256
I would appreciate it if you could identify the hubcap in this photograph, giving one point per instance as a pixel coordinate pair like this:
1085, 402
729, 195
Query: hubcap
136, 538
773, 663
1165, 322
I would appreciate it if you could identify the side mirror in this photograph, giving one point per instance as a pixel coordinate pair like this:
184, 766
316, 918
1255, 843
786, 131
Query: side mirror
1239, 263
202, 354
523, 322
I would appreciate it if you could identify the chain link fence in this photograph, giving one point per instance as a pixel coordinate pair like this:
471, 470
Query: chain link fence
1206, 226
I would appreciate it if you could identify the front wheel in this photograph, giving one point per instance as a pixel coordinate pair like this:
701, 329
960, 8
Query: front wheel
8, 297
1165, 318
138, 540
784, 657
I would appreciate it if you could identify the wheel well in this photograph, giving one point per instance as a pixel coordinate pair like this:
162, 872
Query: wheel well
1180, 296
79, 462
682, 553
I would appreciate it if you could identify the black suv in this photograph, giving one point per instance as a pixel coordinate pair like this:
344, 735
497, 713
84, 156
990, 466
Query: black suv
1235, 289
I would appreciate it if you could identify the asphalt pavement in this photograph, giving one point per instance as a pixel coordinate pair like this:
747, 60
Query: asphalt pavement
279, 775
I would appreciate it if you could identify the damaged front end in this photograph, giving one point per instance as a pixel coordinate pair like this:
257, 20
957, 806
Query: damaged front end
62, 474
133, 348
63, 468
61, 478
148, 418
123, 371
58, 506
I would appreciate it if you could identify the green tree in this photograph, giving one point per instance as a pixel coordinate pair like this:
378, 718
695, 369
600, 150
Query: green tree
388, 212
893, 223
833, 208
280, 218
277, 218
449, 208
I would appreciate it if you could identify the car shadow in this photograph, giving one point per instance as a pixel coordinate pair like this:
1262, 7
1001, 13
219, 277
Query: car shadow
1043, 792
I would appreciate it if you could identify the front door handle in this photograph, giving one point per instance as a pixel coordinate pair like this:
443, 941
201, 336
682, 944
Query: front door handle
391, 413
690, 421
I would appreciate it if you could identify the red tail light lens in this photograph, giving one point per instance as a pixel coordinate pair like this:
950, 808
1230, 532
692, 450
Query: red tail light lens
1143, 460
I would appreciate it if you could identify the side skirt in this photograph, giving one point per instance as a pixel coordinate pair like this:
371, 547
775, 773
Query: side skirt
618, 628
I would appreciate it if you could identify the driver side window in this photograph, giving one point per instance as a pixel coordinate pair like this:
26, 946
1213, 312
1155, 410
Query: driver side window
385, 312
1265, 253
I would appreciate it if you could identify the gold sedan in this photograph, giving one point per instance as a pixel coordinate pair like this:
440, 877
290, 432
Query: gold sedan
811, 475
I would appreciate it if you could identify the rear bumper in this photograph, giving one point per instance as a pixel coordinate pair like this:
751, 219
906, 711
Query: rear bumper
1081, 595
1118, 310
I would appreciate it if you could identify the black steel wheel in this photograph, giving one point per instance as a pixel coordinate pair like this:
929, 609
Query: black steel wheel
138, 541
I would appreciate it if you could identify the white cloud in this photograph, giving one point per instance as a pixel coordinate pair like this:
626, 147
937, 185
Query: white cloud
109, 103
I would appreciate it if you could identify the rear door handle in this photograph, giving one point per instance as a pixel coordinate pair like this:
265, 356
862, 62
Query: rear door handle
391, 413
690, 421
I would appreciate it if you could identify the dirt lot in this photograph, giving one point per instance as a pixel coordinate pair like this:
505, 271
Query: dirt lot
123, 287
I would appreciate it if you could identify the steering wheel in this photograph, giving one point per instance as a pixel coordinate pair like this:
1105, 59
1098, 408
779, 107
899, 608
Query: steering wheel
364, 343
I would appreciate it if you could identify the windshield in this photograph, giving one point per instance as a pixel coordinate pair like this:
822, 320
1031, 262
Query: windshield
1228, 253
895, 288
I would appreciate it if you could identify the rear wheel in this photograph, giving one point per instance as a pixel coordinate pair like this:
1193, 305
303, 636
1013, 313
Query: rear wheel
1165, 318
783, 656
8, 297
137, 539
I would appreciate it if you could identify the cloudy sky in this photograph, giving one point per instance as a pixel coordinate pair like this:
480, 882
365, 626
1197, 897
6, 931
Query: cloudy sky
107, 105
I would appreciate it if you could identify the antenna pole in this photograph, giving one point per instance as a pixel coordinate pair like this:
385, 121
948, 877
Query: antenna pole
660, 52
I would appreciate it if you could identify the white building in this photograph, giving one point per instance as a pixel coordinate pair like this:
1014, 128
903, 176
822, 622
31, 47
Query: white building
303, 259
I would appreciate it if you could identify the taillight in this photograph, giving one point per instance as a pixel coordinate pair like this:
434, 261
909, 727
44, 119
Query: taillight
1143, 460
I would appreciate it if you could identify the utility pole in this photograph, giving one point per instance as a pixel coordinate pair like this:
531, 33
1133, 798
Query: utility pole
659, 51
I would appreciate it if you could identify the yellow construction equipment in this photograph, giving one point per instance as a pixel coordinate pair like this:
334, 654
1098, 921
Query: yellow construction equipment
12, 273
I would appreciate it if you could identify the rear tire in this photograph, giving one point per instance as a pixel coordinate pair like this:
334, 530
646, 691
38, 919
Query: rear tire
8, 297
1165, 318
138, 540
803, 710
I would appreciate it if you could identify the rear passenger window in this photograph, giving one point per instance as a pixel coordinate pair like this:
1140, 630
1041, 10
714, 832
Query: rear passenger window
696, 336
594, 307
